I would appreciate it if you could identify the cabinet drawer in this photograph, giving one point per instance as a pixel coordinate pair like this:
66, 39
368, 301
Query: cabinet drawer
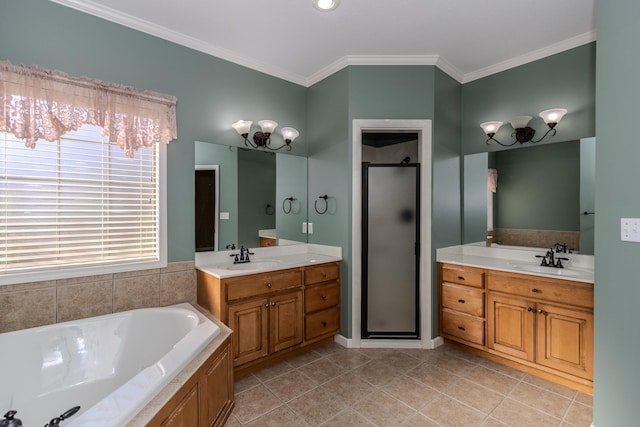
321, 322
572, 294
258, 284
321, 297
461, 299
321, 273
463, 276
464, 327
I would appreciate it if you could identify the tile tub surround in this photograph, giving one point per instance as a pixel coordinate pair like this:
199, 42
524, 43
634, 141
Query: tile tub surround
536, 238
27, 305
503, 259
441, 387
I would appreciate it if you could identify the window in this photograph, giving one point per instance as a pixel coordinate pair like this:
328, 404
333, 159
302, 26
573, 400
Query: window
79, 206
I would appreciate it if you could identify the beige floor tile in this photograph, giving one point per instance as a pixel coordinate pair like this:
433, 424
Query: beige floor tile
579, 415
491, 379
316, 407
460, 354
451, 413
492, 422
433, 376
432, 356
350, 359
350, 418
273, 371
516, 414
548, 385
349, 388
410, 391
253, 403
383, 410
474, 395
232, 422
377, 373
304, 358
322, 370
245, 383
290, 385
279, 417
456, 365
400, 361
419, 420
544, 400
376, 353
503, 369
585, 399
330, 348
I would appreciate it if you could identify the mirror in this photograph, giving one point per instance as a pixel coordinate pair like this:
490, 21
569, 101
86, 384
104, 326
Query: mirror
542, 195
260, 197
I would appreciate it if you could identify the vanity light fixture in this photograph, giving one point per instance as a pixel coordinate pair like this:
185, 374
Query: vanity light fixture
325, 5
523, 132
262, 138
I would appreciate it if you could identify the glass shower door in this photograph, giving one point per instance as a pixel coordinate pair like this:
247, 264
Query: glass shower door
390, 248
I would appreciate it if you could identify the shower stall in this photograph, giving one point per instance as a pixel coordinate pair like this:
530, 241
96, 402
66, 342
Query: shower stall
390, 250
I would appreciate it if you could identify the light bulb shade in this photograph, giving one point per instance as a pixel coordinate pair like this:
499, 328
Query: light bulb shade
289, 134
553, 115
520, 122
242, 126
325, 5
490, 128
268, 126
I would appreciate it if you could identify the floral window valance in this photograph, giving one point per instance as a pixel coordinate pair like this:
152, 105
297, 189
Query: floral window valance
44, 104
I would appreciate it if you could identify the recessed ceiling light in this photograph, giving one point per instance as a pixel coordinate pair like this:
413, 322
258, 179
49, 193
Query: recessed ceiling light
325, 5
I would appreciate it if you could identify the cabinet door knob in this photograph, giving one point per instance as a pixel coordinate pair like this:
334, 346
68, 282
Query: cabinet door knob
461, 328
542, 312
324, 297
267, 305
324, 324
272, 304
529, 309
535, 290
461, 301
269, 285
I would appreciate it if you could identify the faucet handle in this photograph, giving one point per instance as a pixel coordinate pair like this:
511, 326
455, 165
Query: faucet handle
544, 259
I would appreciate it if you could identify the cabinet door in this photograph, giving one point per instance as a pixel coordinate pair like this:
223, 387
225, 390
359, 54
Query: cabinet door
511, 326
565, 340
217, 390
285, 320
186, 413
249, 322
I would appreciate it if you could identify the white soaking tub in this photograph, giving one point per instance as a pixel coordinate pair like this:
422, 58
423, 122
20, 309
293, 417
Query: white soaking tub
111, 366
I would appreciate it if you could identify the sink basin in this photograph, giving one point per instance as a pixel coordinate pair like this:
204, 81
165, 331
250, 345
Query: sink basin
546, 270
254, 265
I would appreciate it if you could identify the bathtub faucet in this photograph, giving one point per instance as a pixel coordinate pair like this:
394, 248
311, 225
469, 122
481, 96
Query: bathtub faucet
55, 422
10, 420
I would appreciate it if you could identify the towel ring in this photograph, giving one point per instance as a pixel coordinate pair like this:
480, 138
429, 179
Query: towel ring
326, 204
269, 210
284, 204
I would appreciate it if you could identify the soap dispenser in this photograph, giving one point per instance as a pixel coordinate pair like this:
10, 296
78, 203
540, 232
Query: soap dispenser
10, 420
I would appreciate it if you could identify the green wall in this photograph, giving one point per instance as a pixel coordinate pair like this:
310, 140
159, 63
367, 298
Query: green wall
566, 80
212, 93
291, 181
256, 190
538, 187
617, 378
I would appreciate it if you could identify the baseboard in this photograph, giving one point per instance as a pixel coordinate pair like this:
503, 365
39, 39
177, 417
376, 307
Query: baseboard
343, 341
378, 343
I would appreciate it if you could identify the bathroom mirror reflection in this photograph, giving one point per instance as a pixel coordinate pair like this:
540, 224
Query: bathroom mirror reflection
255, 198
544, 195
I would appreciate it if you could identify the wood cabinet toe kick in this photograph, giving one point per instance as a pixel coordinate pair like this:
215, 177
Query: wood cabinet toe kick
274, 314
540, 325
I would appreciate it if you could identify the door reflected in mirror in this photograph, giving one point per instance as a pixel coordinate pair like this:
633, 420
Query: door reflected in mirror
252, 207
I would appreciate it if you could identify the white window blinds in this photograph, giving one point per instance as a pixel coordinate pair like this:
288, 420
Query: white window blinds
76, 203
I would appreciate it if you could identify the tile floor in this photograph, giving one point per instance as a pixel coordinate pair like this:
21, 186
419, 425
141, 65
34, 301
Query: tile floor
335, 386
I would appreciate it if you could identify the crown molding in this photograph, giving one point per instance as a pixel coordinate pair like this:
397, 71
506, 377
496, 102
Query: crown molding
579, 40
164, 33
109, 14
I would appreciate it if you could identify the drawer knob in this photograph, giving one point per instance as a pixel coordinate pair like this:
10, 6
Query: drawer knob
272, 304
461, 301
535, 290
460, 277
269, 285
324, 324
461, 328
542, 312
324, 297
324, 275
529, 309
267, 305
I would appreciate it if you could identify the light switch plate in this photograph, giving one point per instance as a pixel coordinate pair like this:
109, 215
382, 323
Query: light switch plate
224, 215
304, 227
310, 228
630, 229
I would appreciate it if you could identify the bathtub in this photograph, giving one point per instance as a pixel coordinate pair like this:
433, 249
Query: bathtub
111, 366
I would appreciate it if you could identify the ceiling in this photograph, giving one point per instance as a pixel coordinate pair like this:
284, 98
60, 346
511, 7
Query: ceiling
467, 39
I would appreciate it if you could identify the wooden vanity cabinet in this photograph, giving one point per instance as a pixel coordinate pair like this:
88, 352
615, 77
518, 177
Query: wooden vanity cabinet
542, 323
276, 312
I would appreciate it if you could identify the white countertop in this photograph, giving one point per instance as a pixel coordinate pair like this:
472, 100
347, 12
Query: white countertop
220, 264
579, 267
